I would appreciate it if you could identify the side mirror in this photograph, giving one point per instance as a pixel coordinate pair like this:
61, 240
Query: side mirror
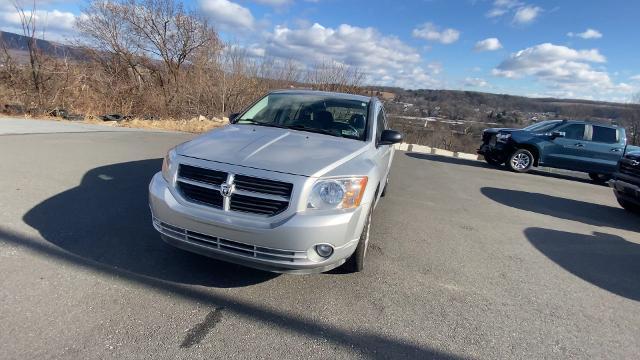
233, 117
558, 134
390, 137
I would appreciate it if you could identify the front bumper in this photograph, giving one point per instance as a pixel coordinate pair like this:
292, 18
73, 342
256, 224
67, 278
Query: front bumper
498, 151
626, 190
286, 245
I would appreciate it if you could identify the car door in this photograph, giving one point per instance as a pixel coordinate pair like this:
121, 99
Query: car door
604, 148
568, 151
384, 153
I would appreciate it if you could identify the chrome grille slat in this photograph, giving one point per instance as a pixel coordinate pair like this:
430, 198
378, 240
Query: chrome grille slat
251, 194
229, 246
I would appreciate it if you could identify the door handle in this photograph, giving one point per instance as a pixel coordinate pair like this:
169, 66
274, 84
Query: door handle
579, 145
616, 149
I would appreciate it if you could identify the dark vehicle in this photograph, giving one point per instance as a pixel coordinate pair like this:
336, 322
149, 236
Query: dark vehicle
565, 144
626, 182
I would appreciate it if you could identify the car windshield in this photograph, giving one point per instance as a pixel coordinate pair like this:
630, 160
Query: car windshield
325, 114
543, 126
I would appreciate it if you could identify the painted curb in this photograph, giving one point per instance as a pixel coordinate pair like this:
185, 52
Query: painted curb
434, 151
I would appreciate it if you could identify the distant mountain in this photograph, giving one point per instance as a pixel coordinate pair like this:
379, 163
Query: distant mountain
18, 45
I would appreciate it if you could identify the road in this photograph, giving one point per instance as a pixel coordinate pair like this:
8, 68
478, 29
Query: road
466, 261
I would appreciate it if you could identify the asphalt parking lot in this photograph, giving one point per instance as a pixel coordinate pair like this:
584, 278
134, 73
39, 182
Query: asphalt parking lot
466, 261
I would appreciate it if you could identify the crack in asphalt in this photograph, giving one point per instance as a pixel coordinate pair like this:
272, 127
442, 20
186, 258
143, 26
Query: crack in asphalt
197, 333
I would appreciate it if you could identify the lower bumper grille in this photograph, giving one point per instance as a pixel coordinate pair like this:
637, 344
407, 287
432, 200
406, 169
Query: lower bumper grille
228, 246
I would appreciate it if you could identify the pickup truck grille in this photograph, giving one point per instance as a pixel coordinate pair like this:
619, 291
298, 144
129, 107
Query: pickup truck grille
627, 168
250, 195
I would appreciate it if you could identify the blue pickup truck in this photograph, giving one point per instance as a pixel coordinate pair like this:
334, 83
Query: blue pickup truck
566, 144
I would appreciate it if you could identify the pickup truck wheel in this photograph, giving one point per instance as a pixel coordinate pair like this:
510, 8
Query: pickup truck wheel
631, 207
520, 161
356, 262
599, 178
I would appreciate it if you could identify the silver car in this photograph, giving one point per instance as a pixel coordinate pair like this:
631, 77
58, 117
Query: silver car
288, 186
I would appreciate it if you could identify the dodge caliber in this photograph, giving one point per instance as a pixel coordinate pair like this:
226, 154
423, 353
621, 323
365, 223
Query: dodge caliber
288, 186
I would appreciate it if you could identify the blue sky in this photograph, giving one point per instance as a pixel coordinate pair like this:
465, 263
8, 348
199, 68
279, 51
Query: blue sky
578, 49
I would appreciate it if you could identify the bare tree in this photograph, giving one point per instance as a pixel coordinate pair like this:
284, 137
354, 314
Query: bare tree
28, 24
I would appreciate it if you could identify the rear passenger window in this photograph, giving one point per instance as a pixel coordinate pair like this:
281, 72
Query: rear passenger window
604, 134
574, 131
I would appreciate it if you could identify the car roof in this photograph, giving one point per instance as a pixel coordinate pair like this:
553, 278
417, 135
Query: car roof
324, 93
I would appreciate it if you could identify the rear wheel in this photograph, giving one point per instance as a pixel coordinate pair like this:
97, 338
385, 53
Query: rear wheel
356, 262
521, 161
629, 206
599, 178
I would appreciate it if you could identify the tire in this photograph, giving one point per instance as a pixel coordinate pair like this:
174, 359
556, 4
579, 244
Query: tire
599, 178
631, 207
491, 161
521, 161
355, 263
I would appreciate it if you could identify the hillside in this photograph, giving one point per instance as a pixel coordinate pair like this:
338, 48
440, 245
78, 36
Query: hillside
17, 46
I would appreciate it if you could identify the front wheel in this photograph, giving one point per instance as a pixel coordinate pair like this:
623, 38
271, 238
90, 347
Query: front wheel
356, 262
629, 206
521, 161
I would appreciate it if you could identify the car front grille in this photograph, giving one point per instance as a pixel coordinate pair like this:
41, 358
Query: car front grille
250, 195
228, 246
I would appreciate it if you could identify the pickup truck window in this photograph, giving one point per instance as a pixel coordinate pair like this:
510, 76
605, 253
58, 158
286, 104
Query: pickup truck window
543, 126
574, 131
328, 115
604, 134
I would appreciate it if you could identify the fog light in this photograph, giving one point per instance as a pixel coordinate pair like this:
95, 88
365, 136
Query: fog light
324, 250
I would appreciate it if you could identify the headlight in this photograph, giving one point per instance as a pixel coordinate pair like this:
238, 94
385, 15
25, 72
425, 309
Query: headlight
503, 137
168, 166
338, 193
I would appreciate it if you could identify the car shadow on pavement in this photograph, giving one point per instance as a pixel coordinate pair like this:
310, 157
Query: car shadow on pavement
607, 261
569, 209
107, 219
370, 345
482, 164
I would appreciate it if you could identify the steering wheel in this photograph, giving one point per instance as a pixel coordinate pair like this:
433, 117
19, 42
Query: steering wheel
340, 126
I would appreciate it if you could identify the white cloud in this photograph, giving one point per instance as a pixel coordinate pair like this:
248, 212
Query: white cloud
274, 3
587, 34
489, 44
526, 14
562, 69
501, 7
54, 24
522, 13
635, 78
386, 60
228, 15
475, 82
430, 32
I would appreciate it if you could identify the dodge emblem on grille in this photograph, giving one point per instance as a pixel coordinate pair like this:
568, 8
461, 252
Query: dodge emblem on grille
635, 162
226, 189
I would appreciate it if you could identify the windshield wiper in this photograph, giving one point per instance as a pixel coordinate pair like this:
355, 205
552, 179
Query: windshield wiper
313, 130
253, 122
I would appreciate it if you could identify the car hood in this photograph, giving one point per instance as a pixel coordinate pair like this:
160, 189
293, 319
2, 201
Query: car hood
497, 130
282, 150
